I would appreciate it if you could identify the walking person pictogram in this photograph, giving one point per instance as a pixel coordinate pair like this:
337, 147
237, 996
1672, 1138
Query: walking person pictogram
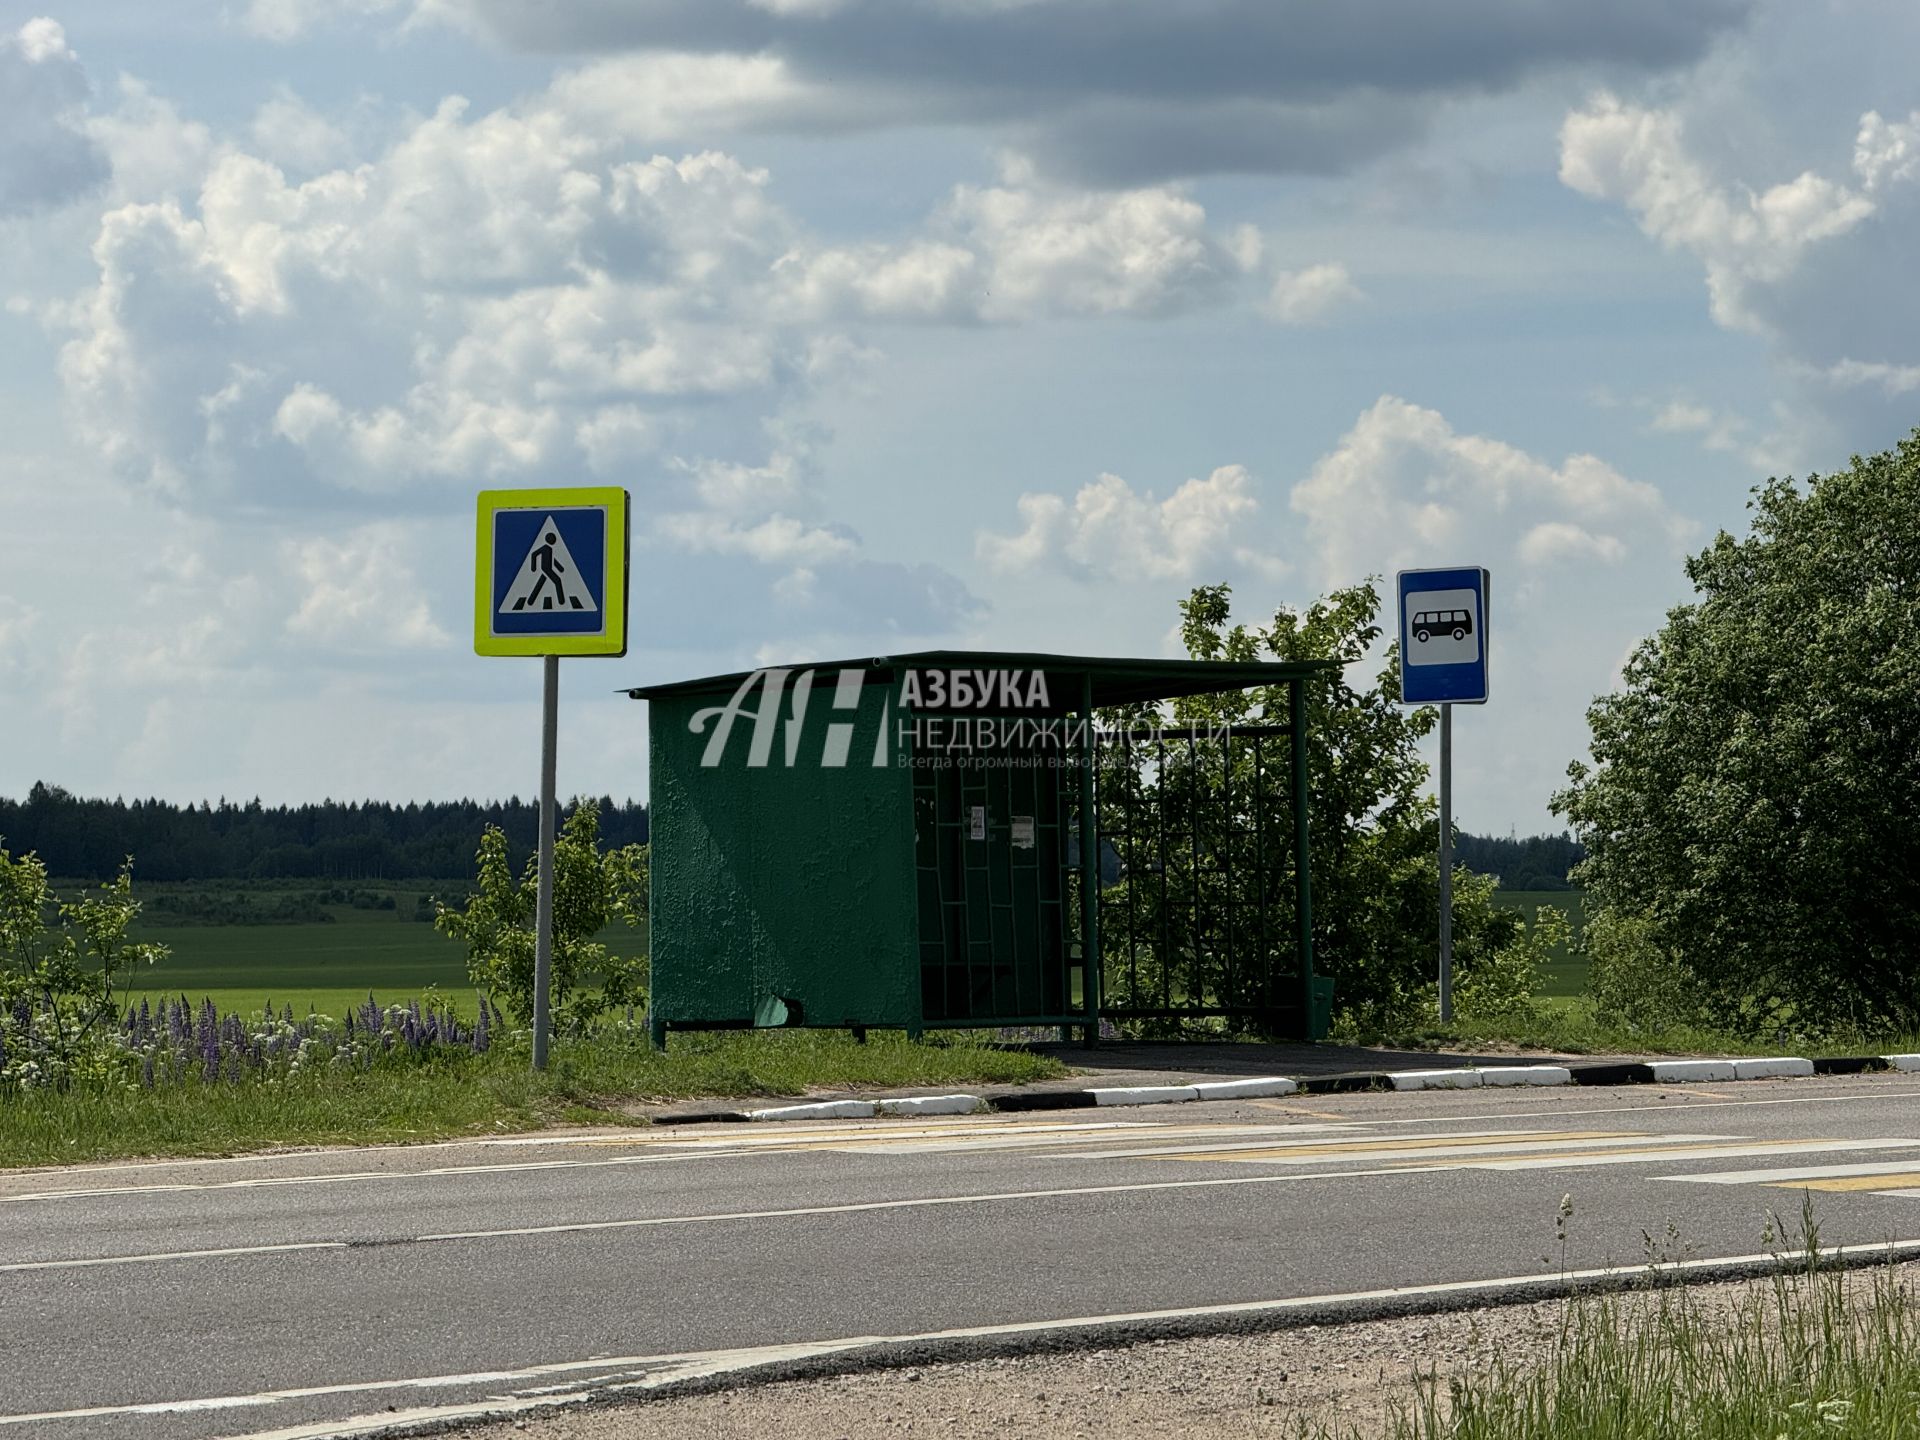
549, 579
543, 563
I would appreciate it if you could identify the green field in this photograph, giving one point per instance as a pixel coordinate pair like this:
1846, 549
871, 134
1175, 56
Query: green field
330, 965
1566, 977
325, 965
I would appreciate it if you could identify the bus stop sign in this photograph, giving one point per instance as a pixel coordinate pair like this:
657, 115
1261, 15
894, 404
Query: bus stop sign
1443, 637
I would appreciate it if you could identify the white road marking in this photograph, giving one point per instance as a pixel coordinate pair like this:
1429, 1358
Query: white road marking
1533, 1141
660, 1151
343, 1177
173, 1255
1686, 1102
1731, 1151
655, 1371
1487, 1154
1800, 1172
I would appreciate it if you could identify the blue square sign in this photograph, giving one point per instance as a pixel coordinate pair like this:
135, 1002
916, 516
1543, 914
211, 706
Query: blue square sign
1443, 637
551, 572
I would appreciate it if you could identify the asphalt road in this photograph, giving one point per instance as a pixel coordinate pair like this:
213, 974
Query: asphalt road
286, 1296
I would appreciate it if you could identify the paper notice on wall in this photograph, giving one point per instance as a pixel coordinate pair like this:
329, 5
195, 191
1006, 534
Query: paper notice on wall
1023, 832
979, 828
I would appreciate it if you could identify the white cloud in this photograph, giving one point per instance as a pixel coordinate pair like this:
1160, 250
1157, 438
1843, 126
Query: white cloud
1404, 489
777, 540
1638, 157
1890, 379
1109, 529
1886, 152
360, 594
289, 132
46, 158
156, 153
1555, 541
1024, 250
1309, 296
1110, 92
286, 20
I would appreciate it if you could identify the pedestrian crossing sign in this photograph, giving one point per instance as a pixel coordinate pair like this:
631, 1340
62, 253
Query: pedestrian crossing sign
550, 573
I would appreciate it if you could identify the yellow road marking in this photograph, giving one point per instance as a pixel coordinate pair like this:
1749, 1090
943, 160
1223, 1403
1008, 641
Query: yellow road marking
1403, 1143
1851, 1182
1284, 1108
1677, 1150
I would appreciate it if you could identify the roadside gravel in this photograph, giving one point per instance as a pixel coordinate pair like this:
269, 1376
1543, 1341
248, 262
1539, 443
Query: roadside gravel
1229, 1385
1285, 1383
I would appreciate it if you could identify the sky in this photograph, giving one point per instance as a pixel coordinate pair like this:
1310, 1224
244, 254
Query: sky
908, 324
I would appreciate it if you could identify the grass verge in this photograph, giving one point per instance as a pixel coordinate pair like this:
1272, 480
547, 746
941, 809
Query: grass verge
1575, 1029
589, 1082
1807, 1354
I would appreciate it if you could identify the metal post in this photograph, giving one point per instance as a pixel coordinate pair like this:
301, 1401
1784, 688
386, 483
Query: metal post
1302, 851
1446, 863
543, 914
1089, 872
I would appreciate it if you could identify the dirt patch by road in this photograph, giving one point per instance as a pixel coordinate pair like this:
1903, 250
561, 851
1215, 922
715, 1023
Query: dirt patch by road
1234, 1385
1349, 1377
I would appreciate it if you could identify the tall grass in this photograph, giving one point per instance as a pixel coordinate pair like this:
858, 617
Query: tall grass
1808, 1353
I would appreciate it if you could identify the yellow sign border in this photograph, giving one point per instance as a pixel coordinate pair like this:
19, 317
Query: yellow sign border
612, 642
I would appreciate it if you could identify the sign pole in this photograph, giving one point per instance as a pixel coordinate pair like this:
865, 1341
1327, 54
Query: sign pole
550, 579
1446, 864
543, 921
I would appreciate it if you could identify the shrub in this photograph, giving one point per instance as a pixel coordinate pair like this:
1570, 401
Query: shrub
590, 891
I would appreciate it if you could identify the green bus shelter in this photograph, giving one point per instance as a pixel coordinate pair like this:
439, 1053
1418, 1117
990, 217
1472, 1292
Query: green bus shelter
945, 839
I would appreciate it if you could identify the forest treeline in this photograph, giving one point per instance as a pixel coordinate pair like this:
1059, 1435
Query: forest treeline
1532, 862
88, 839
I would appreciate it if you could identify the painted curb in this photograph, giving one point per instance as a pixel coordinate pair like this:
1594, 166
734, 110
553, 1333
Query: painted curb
819, 1110
1044, 1100
1526, 1075
1246, 1089
1619, 1072
1434, 1079
1778, 1067
1626, 1072
1689, 1072
1145, 1095
930, 1105
1849, 1064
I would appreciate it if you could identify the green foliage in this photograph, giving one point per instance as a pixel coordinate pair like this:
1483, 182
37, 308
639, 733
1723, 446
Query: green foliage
1749, 813
591, 889
59, 978
1811, 1352
1505, 962
1374, 838
593, 1082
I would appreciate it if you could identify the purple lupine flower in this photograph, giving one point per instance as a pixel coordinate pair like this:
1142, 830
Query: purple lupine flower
480, 1029
288, 1017
146, 1071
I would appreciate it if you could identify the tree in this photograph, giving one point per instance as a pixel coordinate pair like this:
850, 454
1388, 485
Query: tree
1374, 836
1749, 812
591, 890
58, 982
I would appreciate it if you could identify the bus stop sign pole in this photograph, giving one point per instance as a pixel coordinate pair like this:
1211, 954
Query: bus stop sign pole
1442, 626
1446, 864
